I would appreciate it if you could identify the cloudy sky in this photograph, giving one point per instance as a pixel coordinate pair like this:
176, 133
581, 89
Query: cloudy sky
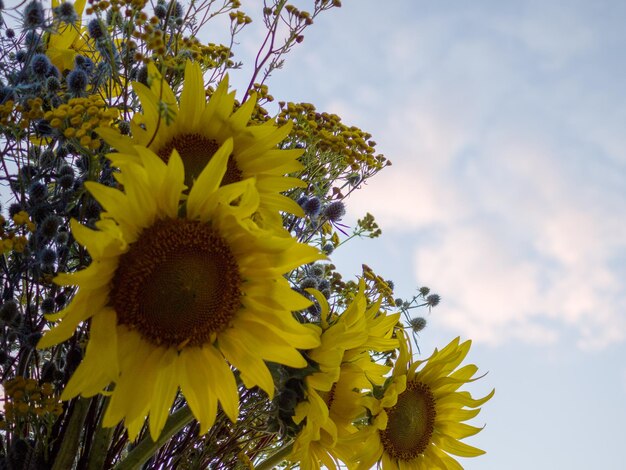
507, 196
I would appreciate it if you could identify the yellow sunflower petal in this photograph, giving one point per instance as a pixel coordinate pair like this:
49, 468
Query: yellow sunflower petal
208, 181
100, 243
159, 86
150, 103
457, 430
456, 447
192, 98
242, 116
97, 275
165, 388
195, 383
97, 369
253, 369
223, 380
83, 307
442, 459
277, 350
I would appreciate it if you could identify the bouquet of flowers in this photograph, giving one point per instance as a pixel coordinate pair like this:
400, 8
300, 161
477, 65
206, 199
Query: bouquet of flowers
168, 298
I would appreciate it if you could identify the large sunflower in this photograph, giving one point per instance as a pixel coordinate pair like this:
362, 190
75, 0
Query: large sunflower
419, 421
197, 129
334, 398
177, 292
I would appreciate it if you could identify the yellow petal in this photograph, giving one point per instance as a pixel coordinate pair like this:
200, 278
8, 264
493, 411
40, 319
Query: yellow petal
209, 181
195, 383
192, 98
223, 381
253, 369
456, 447
165, 389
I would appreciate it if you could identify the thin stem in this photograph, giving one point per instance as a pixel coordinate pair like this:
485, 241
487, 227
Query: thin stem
271, 37
71, 438
101, 442
147, 447
275, 458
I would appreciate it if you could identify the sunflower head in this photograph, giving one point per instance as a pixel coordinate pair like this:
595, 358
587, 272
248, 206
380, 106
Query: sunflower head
182, 288
344, 370
197, 129
419, 424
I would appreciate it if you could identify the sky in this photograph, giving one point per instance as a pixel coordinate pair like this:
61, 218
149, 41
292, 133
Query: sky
507, 196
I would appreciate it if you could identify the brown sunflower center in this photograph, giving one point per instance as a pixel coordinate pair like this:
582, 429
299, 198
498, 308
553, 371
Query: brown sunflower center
196, 150
411, 423
329, 398
178, 284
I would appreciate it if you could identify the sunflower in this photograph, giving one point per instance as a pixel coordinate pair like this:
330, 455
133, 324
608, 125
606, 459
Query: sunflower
419, 420
334, 398
197, 129
177, 292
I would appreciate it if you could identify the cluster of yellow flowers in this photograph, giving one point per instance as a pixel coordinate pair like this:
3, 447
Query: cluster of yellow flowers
11, 241
115, 6
25, 399
6, 112
376, 287
79, 117
20, 114
334, 152
239, 17
209, 55
328, 133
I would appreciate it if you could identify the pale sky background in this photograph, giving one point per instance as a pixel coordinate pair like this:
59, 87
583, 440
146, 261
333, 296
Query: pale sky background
505, 122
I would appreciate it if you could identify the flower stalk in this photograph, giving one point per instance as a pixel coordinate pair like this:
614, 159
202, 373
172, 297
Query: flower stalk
146, 448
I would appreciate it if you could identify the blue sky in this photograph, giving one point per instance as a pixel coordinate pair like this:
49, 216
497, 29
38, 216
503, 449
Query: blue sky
505, 124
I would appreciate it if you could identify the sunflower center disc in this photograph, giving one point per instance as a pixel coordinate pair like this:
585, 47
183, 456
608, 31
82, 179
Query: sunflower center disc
196, 150
411, 422
178, 284
329, 397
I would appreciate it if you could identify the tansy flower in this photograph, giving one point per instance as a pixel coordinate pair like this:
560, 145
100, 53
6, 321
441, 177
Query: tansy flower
197, 129
418, 422
177, 294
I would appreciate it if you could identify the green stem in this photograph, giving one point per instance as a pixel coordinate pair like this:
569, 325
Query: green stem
71, 437
101, 442
275, 458
147, 447
99, 448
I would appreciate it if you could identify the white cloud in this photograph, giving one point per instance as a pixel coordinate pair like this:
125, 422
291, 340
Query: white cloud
505, 132
520, 184
552, 32
495, 292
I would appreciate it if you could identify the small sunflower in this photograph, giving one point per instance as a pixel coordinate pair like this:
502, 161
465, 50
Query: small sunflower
197, 129
418, 422
177, 292
334, 398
